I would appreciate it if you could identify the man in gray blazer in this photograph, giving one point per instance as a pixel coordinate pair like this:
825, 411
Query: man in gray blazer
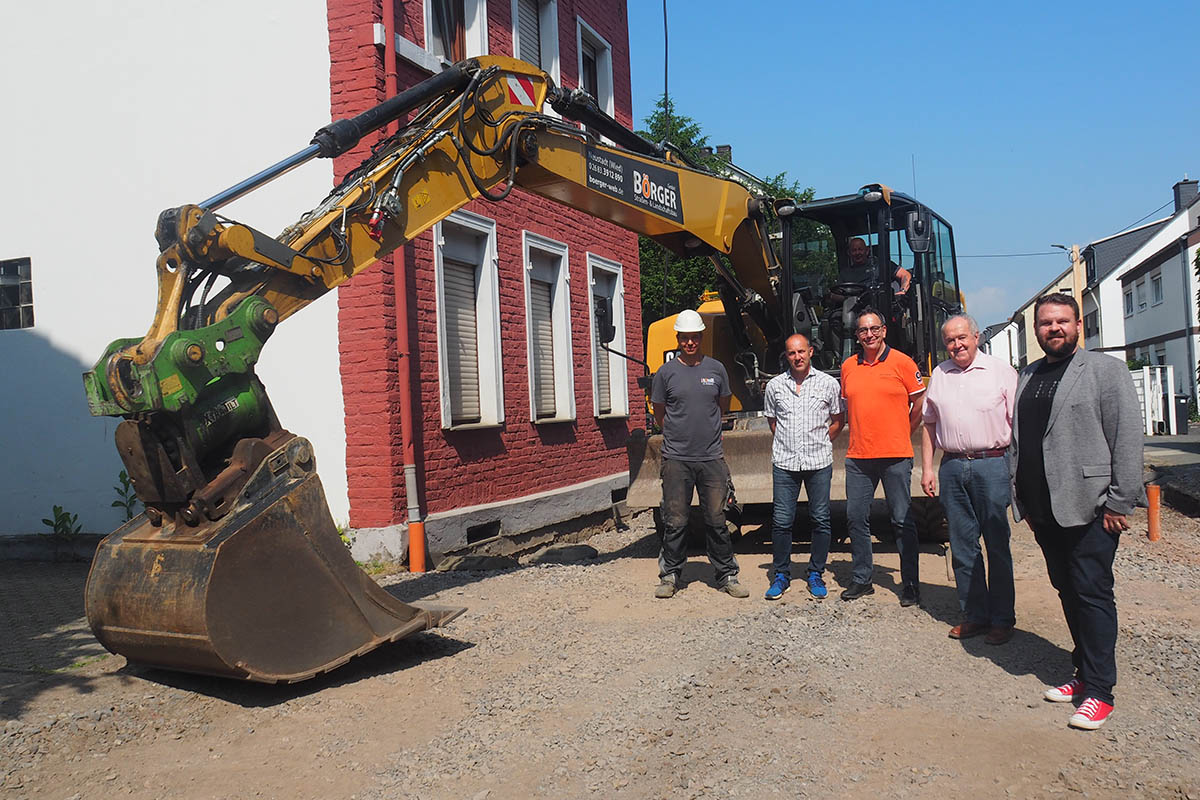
1077, 475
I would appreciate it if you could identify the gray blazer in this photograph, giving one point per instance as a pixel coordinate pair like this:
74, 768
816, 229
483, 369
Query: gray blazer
1093, 441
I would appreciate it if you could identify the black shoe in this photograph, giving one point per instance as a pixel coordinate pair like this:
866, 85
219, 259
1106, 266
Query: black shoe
857, 590
911, 596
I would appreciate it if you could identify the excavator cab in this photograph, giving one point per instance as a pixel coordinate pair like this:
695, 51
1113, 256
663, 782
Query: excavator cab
852, 252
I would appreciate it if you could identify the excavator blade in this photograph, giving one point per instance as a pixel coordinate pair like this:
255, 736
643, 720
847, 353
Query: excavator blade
748, 455
266, 593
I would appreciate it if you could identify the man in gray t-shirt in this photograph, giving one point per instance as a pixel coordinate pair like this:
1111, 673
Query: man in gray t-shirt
689, 395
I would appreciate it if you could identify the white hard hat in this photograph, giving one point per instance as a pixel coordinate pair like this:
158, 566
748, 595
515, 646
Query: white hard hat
688, 321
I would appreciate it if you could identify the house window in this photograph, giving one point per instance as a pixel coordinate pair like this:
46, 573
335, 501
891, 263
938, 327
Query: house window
535, 33
471, 381
1156, 295
1160, 355
1129, 302
16, 294
610, 393
1091, 324
1140, 289
595, 66
456, 29
548, 322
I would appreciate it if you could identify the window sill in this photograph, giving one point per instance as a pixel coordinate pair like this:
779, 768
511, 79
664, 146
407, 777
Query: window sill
473, 426
552, 420
612, 416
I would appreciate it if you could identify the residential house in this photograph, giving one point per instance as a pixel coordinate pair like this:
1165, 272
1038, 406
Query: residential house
1102, 301
1158, 285
1000, 340
158, 104
519, 419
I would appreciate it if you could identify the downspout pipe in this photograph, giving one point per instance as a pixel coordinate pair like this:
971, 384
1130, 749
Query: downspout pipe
412, 492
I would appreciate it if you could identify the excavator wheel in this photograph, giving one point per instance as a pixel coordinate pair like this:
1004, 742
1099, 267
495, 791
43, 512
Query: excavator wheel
266, 593
930, 519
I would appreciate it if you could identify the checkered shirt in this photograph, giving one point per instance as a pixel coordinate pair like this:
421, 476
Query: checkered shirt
802, 416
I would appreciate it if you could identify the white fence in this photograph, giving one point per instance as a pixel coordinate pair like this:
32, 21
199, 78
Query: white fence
1156, 393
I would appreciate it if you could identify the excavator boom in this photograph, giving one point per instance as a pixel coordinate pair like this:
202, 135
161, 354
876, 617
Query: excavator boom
235, 568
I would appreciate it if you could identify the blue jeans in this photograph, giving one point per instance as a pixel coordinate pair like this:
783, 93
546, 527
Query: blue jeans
975, 497
863, 475
786, 492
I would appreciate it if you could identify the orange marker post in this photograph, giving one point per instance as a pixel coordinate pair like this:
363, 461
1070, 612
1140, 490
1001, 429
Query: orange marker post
1154, 529
416, 546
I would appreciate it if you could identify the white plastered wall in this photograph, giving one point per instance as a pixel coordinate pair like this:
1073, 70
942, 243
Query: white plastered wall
115, 111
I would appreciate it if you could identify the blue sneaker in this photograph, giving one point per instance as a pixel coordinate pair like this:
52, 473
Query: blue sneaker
778, 587
816, 586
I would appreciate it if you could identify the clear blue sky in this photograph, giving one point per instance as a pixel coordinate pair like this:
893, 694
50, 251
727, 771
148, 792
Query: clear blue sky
1031, 123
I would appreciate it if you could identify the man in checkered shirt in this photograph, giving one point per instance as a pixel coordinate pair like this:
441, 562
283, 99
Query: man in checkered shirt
804, 409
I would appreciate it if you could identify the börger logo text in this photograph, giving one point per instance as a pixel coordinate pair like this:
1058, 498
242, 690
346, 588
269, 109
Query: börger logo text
663, 195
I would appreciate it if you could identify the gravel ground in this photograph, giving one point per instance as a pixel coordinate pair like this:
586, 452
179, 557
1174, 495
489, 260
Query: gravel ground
570, 680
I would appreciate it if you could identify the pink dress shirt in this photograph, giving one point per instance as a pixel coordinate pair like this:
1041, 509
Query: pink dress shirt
971, 409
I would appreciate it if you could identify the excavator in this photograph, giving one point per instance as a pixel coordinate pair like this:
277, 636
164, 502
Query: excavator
235, 568
898, 231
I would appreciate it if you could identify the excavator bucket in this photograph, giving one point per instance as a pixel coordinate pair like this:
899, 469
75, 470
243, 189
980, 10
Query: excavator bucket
266, 593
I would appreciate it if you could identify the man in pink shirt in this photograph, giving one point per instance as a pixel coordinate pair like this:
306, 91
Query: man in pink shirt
968, 416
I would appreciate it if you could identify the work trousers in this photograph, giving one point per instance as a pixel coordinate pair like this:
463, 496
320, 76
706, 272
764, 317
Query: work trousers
863, 476
786, 485
975, 497
710, 480
1079, 562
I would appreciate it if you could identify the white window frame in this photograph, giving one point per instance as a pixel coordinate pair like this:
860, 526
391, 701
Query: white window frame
1156, 290
1140, 292
475, 30
548, 30
1128, 307
487, 323
604, 66
618, 369
560, 321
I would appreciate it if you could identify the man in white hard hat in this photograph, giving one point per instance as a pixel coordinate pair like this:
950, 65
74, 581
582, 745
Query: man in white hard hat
689, 394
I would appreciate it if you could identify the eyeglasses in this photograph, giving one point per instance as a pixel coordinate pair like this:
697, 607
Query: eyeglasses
871, 329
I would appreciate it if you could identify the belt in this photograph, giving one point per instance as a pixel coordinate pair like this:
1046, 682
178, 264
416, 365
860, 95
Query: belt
974, 454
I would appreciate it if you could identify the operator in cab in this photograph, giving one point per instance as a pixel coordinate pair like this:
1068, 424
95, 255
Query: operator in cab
861, 270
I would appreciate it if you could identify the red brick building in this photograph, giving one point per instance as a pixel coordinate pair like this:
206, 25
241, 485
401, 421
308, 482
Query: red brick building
519, 419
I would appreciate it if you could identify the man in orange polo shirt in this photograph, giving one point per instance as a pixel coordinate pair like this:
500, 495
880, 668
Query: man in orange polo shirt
884, 393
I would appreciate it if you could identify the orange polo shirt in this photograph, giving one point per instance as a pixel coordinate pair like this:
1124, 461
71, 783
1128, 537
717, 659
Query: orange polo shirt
877, 400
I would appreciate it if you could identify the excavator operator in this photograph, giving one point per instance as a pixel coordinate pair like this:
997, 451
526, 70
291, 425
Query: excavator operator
861, 268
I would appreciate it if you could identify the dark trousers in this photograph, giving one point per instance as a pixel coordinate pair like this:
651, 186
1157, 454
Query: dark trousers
786, 485
975, 496
710, 480
1079, 561
863, 475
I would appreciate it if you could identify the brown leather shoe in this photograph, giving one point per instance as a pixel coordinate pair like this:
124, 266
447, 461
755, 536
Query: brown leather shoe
999, 634
965, 630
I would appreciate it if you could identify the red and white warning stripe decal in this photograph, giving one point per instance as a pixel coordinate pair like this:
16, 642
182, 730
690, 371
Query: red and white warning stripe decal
520, 90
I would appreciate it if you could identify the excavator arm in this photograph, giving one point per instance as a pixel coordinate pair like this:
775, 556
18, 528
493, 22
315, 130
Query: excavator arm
236, 569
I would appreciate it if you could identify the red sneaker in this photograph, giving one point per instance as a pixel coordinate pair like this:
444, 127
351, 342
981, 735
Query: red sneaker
1065, 693
1091, 715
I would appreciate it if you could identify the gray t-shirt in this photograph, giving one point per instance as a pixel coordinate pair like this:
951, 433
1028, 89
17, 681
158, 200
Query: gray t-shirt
692, 426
